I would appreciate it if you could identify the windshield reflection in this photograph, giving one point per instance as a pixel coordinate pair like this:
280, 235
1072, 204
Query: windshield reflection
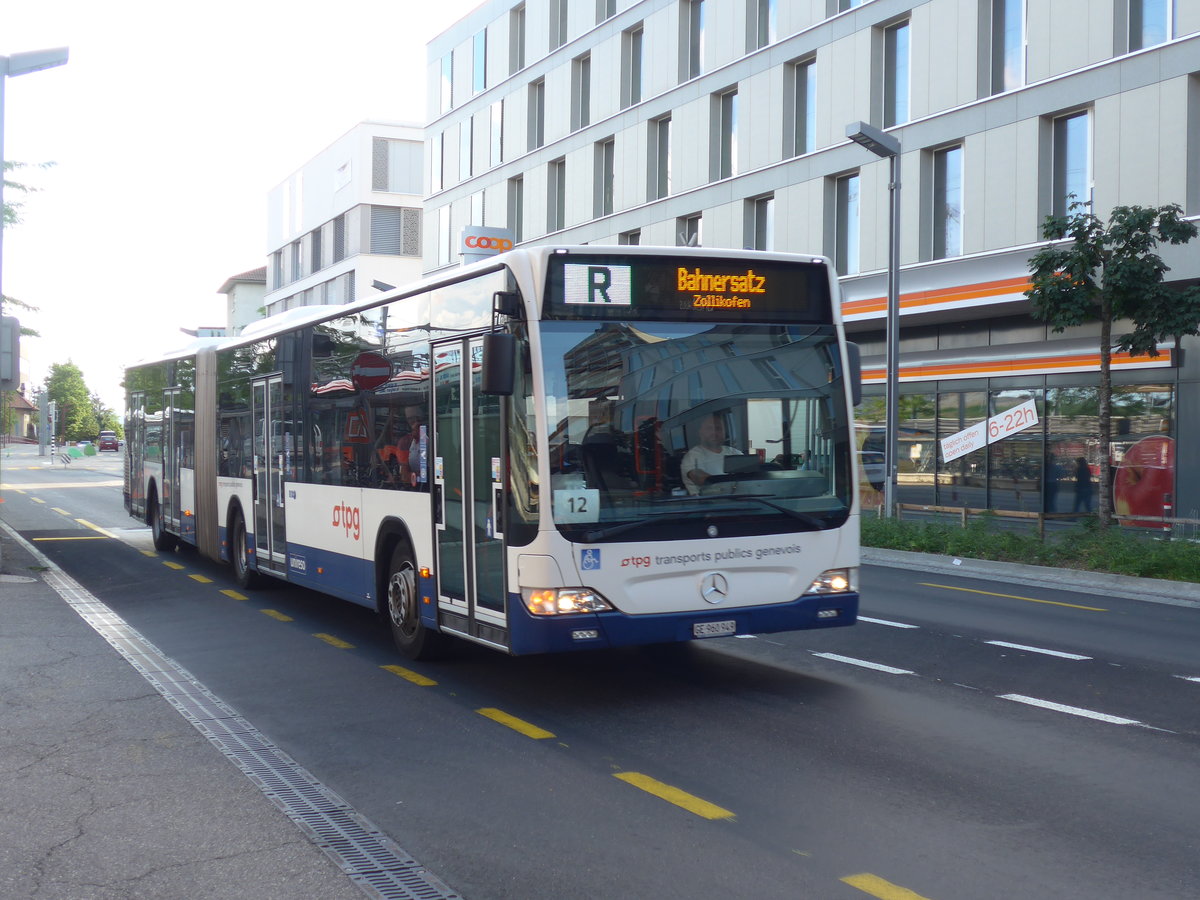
687, 428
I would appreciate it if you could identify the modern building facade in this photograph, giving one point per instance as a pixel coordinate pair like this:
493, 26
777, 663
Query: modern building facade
347, 221
723, 123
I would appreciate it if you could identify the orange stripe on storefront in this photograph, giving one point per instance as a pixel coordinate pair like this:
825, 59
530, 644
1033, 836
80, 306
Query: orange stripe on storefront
938, 297
1077, 361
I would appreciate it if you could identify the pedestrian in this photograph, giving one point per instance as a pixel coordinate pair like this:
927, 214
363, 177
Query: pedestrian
1083, 485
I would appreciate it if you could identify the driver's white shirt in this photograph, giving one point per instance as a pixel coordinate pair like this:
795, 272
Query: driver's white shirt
710, 461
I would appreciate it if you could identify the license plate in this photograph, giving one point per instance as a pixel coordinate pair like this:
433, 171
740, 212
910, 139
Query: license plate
714, 629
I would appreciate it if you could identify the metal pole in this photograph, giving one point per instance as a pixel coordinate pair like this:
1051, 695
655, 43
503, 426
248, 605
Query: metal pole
892, 411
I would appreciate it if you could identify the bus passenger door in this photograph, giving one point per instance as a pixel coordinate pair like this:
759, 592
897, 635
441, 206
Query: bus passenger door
270, 545
468, 473
169, 489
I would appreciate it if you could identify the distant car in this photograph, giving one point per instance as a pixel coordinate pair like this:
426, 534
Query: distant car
108, 441
83, 443
873, 467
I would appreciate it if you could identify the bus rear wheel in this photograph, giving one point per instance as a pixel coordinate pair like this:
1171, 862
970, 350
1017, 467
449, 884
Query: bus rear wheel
240, 554
164, 541
411, 636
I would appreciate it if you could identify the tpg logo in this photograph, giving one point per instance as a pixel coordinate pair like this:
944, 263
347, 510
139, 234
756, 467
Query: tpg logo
349, 519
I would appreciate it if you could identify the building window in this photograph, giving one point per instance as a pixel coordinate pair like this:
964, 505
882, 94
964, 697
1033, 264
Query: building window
691, 39
947, 202
396, 166
339, 238
843, 5
537, 114
895, 74
516, 208
556, 195
315, 250
1149, 23
437, 159
803, 108
605, 10
725, 163
760, 23
387, 230
466, 134
602, 204
845, 251
689, 230
760, 223
581, 92
496, 142
296, 268
516, 39
1072, 173
479, 62
1008, 45
477, 209
443, 239
558, 24
659, 176
631, 66
629, 238
446, 83
276, 270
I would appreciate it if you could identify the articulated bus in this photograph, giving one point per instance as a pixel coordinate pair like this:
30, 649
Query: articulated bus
557, 448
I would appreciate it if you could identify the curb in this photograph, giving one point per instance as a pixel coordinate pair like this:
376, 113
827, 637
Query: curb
1152, 590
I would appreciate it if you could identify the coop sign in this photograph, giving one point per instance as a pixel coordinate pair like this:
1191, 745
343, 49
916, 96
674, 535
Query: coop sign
997, 428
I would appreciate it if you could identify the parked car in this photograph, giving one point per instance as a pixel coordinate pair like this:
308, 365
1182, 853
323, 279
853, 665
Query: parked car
873, 467
108, 441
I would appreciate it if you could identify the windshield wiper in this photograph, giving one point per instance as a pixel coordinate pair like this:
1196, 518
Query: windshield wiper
806, 518
601, 533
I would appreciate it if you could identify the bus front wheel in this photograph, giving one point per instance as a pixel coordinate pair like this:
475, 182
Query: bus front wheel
164, 541
409, 633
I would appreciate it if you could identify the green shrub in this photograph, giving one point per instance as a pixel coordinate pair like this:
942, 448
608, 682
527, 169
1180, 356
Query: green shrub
1084, 546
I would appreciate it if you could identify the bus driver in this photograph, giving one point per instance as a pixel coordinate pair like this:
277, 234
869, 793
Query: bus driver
707, 458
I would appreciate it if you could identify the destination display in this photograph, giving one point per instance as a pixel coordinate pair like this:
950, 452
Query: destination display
716, 289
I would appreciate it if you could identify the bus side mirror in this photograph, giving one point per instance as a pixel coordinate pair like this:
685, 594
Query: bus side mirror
499, 364
854, 358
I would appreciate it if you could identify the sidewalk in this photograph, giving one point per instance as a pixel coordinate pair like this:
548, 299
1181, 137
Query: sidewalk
108, 793
1175, 593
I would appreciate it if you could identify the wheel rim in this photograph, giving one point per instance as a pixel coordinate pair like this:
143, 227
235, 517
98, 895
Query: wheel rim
155, 522
402, 600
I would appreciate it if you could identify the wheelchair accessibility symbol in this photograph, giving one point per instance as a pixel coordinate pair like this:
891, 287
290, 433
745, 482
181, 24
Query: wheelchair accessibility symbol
589, 560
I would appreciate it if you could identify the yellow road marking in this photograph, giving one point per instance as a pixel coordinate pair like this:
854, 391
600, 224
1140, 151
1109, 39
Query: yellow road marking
275, 614
520, 725
80, 537
878, 887
950, 587
58, 509
37, 499
201, 579
86, 524
410, 675
172, 565
235, 595
149, 553
682, 799
333, 641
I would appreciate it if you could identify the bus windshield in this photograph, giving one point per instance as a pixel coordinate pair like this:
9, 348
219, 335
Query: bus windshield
673, 431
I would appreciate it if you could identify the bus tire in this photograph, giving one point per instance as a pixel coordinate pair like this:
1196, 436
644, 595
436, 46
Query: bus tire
409, 633
164, 541
240, 555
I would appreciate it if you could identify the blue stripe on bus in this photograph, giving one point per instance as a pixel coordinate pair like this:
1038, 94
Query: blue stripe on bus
552, 634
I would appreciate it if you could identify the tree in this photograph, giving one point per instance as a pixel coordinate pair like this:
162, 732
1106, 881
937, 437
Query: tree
106, 419
11, 216
66, 387
1109, 272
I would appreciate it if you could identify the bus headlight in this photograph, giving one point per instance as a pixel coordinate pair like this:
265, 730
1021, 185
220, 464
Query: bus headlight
835, 581
563, 601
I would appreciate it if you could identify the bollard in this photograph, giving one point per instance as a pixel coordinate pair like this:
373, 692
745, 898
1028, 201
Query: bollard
1168, 513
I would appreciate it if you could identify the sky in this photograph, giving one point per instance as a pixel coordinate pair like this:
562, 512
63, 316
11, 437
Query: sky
167, 131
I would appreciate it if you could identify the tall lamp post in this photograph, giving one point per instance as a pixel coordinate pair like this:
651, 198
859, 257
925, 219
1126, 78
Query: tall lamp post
886, 146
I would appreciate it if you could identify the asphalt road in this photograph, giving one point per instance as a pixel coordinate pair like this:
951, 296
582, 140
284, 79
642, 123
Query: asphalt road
968, 739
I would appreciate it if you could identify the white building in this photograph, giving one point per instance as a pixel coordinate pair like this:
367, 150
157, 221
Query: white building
348, 219
244, 298
724, 122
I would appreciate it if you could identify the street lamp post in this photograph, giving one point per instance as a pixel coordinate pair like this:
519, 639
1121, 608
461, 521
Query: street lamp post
886, 146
